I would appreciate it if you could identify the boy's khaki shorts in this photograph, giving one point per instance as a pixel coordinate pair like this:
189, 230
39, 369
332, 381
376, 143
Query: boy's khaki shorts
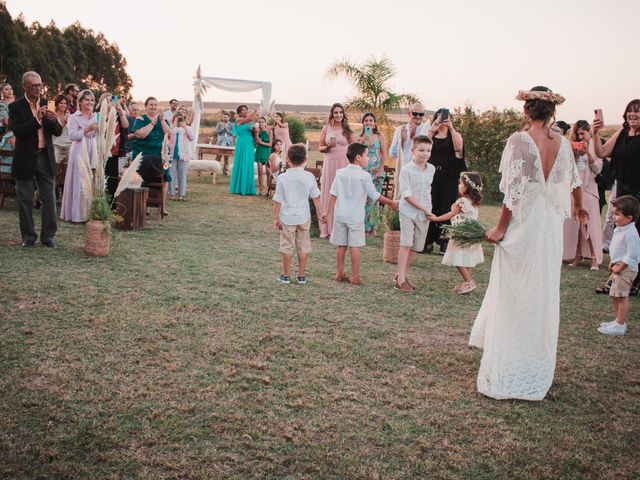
295, 236
413, 232
347, 234
621, 283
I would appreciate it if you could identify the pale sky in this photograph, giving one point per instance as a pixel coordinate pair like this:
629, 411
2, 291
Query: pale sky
447, 52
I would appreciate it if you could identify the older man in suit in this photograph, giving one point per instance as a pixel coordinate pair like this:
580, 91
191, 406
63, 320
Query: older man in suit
33, 125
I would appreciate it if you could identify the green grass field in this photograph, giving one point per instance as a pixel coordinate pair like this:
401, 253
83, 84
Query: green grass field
180, 357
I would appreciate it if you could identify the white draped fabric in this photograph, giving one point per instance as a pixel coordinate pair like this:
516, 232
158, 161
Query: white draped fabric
228, 85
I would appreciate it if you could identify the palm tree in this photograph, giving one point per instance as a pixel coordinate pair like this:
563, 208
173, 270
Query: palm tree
369, 80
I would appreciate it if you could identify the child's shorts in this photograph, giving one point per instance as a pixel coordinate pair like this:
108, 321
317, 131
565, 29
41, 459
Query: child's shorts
348, 234
621, 283
413, 232
295, 236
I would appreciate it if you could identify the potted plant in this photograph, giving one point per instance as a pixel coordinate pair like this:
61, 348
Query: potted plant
391, 239
98, 233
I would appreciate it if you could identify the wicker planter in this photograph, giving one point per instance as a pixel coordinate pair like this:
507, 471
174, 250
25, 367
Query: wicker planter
98, 239
391, 246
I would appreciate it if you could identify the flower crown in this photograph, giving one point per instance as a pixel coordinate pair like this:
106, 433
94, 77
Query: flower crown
471, 183
554, 98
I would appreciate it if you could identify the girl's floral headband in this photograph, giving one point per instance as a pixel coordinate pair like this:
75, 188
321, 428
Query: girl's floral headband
471, 183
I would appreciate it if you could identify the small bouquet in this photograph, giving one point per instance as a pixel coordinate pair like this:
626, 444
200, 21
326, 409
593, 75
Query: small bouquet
466, 233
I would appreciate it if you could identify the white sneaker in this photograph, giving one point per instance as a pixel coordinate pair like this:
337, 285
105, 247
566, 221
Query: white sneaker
615, 329
606, 324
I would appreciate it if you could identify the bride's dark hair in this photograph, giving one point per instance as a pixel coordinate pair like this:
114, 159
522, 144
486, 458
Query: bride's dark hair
538, 109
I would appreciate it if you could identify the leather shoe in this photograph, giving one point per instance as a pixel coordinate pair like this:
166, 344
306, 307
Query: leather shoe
27, 243
50, 244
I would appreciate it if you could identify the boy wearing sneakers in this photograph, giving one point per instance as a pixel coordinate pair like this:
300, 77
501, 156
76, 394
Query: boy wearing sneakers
625, 256
349, 191
415, 206
291, 213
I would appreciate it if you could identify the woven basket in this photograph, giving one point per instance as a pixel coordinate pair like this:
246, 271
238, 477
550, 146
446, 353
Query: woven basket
98, 239
391, 247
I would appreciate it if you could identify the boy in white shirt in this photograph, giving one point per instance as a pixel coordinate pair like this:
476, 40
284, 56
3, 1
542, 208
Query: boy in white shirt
625, 256
291, 213
349, 191
415, 206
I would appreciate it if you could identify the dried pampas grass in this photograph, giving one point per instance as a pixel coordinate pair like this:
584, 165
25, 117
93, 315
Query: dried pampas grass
130, 177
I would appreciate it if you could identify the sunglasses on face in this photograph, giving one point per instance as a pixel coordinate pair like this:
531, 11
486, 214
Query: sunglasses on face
417, 114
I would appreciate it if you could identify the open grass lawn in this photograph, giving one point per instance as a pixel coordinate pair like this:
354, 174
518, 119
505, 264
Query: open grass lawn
180, 357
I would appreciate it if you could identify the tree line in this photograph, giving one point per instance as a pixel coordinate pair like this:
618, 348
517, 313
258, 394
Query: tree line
72, 55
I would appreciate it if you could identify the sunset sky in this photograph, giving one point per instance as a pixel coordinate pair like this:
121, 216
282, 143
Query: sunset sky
449, 53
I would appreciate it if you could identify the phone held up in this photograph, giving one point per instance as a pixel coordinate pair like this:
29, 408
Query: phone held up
114, 99
51, 106
598, 112
444, 115
576, 145
367, 131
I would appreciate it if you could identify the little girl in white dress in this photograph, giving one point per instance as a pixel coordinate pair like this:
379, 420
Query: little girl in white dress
465, 208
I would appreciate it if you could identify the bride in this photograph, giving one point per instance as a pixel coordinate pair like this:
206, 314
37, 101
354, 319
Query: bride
517, 325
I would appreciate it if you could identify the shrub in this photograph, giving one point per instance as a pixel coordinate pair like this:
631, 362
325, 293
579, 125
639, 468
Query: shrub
296, 129
313, 123
485, 134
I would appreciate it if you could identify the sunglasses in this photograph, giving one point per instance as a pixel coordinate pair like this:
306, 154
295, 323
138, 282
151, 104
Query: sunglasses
417, 114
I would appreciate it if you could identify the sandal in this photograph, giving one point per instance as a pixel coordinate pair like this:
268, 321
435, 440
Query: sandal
604, 289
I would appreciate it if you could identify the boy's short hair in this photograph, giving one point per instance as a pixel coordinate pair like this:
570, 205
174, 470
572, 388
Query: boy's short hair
297, 154
418, 139
628, 205
355, 149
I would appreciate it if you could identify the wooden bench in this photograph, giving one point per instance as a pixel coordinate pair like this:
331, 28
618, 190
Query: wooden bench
214, 150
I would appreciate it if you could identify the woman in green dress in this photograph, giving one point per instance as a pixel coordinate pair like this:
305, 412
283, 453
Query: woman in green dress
242, 181
377, 144
262, 136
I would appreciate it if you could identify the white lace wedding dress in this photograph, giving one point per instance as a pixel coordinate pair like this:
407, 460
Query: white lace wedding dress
517, 325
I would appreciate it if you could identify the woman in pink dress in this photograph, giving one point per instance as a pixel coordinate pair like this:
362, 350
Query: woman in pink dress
281, 131
334, 140
584, 241
82, 127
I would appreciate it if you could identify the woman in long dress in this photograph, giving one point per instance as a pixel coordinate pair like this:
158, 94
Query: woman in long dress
82, 127
585, 240
446, 156
517, 325
242, 175
377, 145
281, 131
334, 140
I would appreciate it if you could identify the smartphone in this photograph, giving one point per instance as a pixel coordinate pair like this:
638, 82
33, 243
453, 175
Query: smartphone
368, 131
51, 106
598, 112
444, 115
114, 99
576, 145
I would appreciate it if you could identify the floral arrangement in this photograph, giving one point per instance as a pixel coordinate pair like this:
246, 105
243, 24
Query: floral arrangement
467, 233
547, 96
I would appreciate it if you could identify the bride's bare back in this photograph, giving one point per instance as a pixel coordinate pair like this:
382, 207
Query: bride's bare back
548, 148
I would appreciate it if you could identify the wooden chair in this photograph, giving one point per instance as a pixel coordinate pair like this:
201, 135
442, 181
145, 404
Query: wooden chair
317, 172
62, 173
388, 184
7, 183
157, 197
319, 164
271, 187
